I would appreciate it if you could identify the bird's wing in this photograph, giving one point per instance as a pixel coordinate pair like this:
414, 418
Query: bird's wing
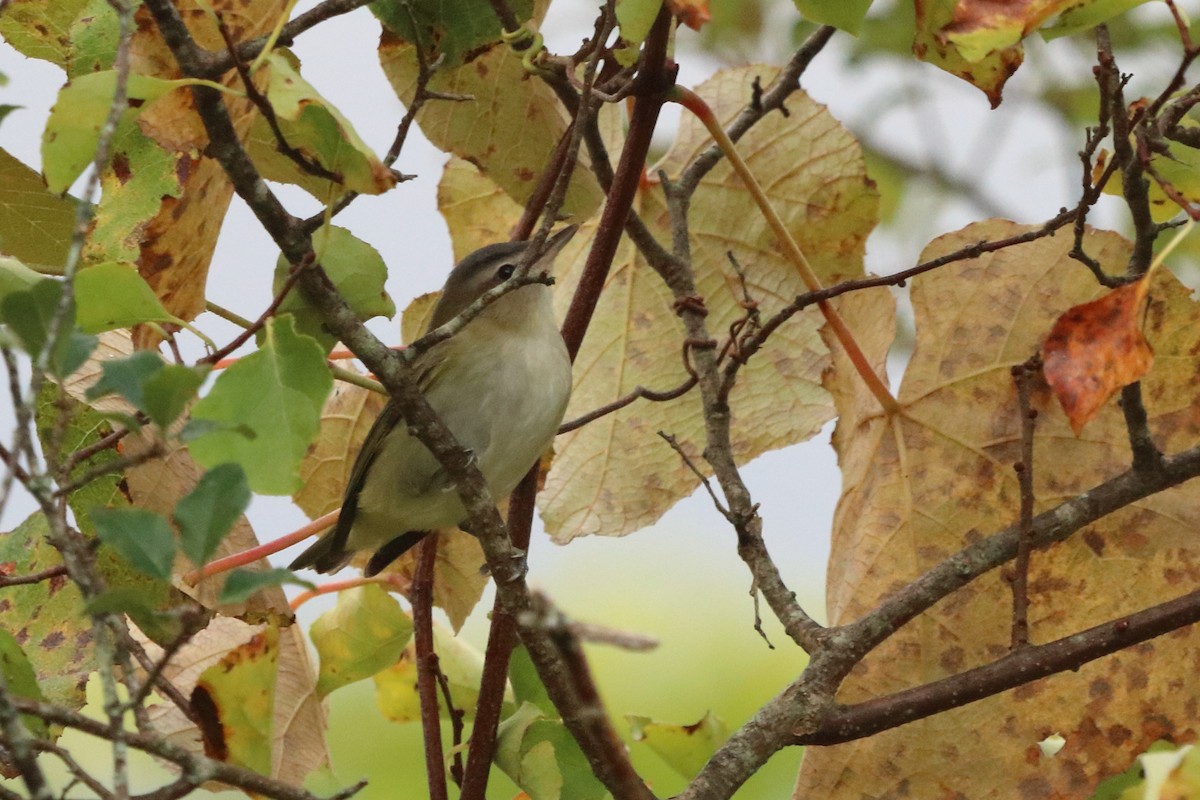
329, 552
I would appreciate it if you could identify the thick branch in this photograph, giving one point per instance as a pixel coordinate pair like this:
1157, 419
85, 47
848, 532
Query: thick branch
1016, 669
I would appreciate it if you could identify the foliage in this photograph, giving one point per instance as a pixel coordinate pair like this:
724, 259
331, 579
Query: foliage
1013, 552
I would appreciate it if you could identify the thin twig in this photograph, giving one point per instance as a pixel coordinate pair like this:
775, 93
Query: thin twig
289, 282
691, 465
1023, 376
639, 392
36, 577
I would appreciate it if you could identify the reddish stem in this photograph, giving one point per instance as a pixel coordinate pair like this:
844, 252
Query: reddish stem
391, 579
427, 667
262, 551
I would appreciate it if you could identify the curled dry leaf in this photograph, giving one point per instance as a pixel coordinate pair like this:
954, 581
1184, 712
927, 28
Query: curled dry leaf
693, 13
919, 486
1095, 349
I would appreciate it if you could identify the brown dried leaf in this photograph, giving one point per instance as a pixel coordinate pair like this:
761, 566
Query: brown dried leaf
920, 486
1095, 349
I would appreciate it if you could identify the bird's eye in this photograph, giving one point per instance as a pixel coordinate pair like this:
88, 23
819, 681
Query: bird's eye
505, 272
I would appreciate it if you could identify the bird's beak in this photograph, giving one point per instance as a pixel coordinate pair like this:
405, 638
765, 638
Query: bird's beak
554, 244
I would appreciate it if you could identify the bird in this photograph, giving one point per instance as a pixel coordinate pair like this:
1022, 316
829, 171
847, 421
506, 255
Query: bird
500, 384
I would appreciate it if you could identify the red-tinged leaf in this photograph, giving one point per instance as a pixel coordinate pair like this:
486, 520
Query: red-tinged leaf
1095, 349
693, 13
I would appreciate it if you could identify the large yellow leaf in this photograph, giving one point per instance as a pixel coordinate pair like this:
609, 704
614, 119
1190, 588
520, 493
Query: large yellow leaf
920, 487
615, 475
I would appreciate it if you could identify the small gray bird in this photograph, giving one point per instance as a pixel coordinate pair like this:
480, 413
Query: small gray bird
501, 385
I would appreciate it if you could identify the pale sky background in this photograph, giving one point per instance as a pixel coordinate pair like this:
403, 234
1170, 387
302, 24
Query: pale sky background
688, 558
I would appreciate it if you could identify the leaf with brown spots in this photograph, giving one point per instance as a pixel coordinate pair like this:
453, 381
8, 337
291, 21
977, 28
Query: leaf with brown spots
46, 618
40, 28
921, 485
1095, 349
686, 748
980, 40
234, 701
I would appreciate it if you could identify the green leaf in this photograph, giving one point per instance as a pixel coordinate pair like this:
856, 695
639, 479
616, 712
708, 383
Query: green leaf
143, 537
166, 393
73, 130
127, 376
461, 665
141, 182
113, 295
35, 225
636, 17
846, 15
685, 748
277, 393
527, 686
206, 514
16, 277
358, 271
311, 125
364, 633
20, 678
541, 757
449, 30
29, 314
84, 426
242, 583
95, 36
1087, 14
131, 600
